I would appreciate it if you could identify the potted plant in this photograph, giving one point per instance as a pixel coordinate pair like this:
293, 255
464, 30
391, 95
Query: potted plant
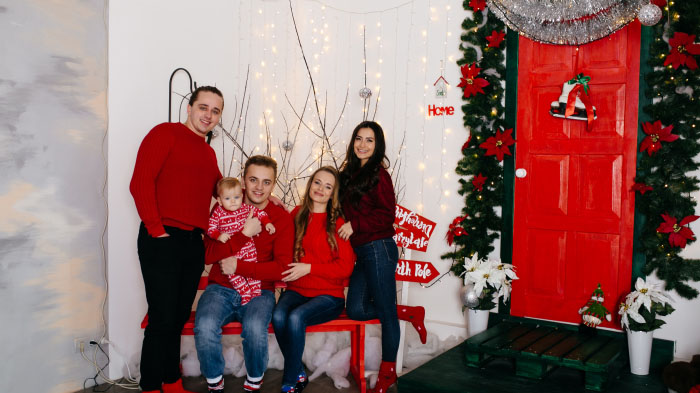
639, 317
485, 281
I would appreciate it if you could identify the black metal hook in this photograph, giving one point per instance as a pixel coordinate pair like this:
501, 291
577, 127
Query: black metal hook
193, 86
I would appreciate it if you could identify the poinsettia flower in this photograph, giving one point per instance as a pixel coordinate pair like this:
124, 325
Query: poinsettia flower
470, 265
466, 144
495, 39
629, 309
502, 272
498, 145
478, 182
477, 5
656, 133
455, 229
641, 187
483, 277
470, 82
682, 50
679, 233
645, 293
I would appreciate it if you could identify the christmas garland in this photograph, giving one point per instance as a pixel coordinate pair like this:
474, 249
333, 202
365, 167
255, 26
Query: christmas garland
668, 147
490, 139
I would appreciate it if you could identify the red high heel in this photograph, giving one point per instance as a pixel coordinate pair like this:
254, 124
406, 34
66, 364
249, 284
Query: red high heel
415, 315
386, 378
175, 387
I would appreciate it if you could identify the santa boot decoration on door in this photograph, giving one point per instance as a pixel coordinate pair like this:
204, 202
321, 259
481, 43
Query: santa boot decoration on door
574, 102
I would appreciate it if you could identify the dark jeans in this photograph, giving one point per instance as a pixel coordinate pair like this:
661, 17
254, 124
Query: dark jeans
372, 291
171, 268
292, 315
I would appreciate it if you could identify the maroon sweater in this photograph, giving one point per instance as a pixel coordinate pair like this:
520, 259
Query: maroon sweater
373, 217
275, 252
174, 179
330, 270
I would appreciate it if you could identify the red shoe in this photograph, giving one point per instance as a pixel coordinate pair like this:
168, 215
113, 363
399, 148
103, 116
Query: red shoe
150, 391
175, 387
386, 378
415, 315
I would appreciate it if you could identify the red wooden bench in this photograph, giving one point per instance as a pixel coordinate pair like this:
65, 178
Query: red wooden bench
342, 324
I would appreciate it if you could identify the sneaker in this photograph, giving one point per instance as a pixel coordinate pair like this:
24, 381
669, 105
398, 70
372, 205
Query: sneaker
288, 389
302, 381
249, 386
217, 387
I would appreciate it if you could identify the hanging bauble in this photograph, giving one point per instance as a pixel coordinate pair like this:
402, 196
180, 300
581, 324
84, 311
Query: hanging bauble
365, 92
468, 296
649, 15
287, 145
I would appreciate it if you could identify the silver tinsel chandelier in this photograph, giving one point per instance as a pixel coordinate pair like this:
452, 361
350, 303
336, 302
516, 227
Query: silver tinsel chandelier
566, 22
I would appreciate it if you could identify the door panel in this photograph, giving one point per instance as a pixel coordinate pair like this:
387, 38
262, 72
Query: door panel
573, 213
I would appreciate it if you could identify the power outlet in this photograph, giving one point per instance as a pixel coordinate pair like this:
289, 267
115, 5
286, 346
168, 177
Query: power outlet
77, 342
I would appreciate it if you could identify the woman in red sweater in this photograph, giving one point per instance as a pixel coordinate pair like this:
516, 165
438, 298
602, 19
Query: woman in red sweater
316, 280
369, 205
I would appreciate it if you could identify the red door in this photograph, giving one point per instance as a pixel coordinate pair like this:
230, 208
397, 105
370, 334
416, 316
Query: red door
573, 213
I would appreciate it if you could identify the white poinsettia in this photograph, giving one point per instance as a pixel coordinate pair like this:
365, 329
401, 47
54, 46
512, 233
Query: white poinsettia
630, 309
502, 272
470, 265
647, 293
480, 277
505, 290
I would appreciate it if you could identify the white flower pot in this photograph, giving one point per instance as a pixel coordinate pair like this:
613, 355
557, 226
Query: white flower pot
639, 344
477, 321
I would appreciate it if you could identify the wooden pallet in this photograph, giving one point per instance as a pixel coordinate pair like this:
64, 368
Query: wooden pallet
537, 349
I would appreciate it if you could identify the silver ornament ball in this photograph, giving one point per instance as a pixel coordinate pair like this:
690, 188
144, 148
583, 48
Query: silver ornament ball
649, 14
365, 92
468, 296
287, 145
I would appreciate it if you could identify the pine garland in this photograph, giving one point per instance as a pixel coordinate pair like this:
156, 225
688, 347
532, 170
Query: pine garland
674, 94
483, 116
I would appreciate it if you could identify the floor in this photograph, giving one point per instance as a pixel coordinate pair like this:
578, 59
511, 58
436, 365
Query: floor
273, 382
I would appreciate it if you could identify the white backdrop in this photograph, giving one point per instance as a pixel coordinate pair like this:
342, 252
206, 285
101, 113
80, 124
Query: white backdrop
218, 41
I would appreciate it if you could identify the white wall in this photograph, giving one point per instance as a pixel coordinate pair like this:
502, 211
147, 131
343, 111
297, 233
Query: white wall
216, 40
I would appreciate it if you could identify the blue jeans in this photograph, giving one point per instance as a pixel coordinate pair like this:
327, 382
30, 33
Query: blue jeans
372, 291
220, 305
292, 315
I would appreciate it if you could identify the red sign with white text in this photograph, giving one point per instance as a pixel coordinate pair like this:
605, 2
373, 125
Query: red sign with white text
415, 271
413, 231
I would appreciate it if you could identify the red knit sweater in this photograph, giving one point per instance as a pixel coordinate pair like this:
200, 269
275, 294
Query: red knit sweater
275, 252
373, 217
174, 179
330, 270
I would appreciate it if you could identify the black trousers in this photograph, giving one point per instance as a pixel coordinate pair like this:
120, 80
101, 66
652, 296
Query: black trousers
171, 268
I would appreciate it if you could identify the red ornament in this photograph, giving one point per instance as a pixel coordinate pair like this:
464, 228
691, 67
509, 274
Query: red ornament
498, 145
478, 182
477, 5
466, 144
641, 187
678, 233
455, 229
682, 47
495, 39
659, 3
656, 133
470, 82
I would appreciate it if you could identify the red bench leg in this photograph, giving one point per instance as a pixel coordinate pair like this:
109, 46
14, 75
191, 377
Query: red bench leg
357, 359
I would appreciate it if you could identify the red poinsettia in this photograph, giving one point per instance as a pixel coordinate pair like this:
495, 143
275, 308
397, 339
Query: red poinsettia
455, 229
470, 82
656, 133
477, 5
682, 48
466, 144
678, 233
641, 187
478, 182
498, 145
495, 39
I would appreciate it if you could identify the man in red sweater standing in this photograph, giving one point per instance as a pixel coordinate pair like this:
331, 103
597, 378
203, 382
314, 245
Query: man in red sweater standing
221, 304
173, 183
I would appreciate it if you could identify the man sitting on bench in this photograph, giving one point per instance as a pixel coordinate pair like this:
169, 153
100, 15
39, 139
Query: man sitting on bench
221, 304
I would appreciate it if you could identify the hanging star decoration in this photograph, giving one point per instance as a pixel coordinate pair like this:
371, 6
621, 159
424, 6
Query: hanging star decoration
679, 233
469, 81
478, 182
477, 5
656, 133
466, 144
455, 229
682, 48
495, 39
498, 145
641, 187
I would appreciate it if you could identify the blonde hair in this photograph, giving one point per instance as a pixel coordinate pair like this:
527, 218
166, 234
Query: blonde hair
226, 183
333, 211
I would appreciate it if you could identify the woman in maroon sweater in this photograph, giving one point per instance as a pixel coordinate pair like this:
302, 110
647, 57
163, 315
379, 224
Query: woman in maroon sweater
316, 280
369, 205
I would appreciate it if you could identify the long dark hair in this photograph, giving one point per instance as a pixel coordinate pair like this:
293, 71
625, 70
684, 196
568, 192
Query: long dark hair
333, 211
357, 179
